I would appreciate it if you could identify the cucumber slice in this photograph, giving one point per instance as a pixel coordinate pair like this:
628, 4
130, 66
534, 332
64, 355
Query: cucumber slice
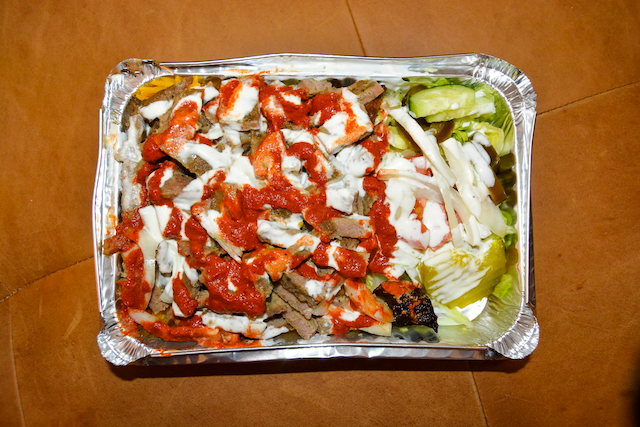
437, 99
483, 106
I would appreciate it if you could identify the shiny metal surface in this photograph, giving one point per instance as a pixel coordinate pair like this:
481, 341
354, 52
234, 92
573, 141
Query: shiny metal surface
506, 328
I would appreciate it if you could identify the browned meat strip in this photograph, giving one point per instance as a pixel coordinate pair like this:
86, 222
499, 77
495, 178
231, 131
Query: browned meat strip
214, 81
130, 199
256, 139
172, 93
314, 87
322, 271
373, 107
196, 165
252, 120
184, 247
212, 247
295, 283
364, 204
300, 250
279, 215
325, 326
366, 90
174, 185
285, 303
132, 108
263, 285
170, 319
156, 304
245, 139
195, 292
278, 322
347, 227
275, 305
348, 243
116, 243
209, 113
204, 124
294, 302
202, 296
341, 300
305, 327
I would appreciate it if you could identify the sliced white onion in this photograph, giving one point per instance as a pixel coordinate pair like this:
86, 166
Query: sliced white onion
426, 142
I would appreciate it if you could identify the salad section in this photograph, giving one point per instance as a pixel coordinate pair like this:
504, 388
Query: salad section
256, 207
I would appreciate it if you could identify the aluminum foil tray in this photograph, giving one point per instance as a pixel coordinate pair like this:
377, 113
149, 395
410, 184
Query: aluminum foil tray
505, 328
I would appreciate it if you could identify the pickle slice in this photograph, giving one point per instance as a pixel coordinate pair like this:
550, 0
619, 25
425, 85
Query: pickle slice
457, 278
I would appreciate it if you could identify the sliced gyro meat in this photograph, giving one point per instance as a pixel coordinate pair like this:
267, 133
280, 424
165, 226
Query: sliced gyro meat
306, 290
157, 109
355, 227
306, 328
341, 119
156, 305
293, 301
314, 87
366, 90
174, 184
238, 104
349, 263
264, 286
275, 305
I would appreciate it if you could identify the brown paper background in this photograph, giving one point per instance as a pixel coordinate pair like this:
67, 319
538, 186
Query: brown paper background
584, 61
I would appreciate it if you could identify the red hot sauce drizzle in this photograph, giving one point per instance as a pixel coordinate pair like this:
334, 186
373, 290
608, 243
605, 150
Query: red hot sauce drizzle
134, 289
384, 231
173, 230
342, 326
278, 106
231, 284
193, 329
154, 185
231, 287
326, 105
182, 129
186, 304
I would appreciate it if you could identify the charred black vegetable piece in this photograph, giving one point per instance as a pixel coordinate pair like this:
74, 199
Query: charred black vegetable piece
410, 305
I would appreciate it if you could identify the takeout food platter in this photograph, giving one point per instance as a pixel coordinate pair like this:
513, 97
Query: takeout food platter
500, 324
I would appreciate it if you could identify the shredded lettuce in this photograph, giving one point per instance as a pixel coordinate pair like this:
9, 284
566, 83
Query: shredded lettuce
494, 134
460, 135
505, 286
430, 82
450, 316
374, 280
